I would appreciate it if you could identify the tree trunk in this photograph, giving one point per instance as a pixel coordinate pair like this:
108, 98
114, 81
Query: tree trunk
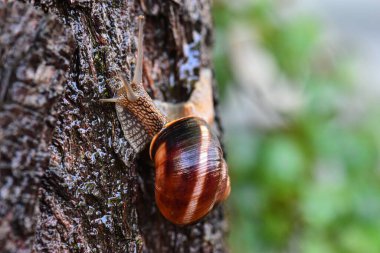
69, 181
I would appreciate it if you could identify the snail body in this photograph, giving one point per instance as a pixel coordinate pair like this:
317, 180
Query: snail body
191, 175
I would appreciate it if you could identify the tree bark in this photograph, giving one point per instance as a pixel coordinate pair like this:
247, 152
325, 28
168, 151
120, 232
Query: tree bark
69, 181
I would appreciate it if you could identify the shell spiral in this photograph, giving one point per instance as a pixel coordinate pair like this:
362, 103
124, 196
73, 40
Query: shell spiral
191, 174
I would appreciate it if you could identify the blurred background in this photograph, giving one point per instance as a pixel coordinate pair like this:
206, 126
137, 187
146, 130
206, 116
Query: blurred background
300, 93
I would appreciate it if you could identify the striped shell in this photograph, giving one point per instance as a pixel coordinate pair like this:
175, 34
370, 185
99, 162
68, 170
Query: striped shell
191, 174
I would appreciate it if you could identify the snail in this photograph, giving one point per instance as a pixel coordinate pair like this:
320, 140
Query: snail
191, 175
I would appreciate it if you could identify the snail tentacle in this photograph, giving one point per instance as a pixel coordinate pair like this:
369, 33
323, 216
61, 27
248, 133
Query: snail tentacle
109, 100
137, 77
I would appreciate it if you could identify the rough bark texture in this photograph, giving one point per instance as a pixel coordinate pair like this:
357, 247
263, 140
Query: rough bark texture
69, 181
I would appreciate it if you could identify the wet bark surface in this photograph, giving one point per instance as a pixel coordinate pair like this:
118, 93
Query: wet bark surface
69, 181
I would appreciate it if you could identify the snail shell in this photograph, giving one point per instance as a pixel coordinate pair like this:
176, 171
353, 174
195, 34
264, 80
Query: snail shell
191, 174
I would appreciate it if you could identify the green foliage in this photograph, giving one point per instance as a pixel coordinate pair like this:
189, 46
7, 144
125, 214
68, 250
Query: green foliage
314, 185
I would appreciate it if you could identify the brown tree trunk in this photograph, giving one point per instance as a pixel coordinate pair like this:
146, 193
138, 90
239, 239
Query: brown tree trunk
69, 181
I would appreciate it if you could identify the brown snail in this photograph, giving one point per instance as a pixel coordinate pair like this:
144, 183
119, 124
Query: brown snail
191, 174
